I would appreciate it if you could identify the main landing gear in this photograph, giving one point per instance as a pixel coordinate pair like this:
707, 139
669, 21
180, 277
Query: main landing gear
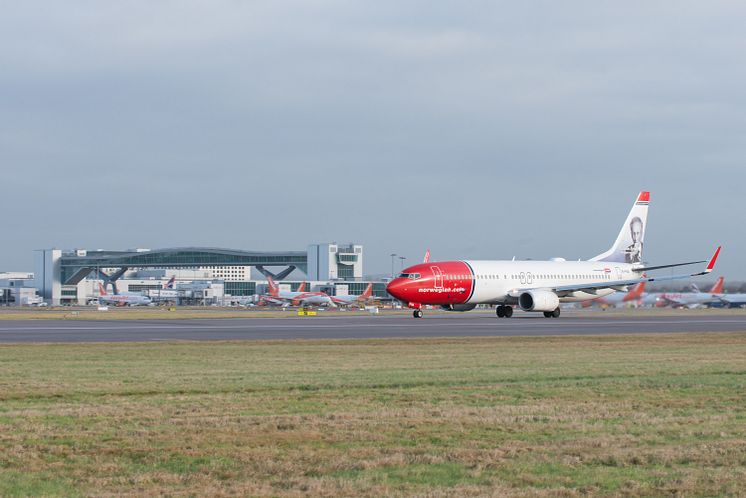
504, 311
417, 313
552, 314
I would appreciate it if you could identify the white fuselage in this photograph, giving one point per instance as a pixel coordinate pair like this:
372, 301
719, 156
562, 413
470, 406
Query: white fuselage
495, 281
689, 299
125, 299
302, 298
733, 300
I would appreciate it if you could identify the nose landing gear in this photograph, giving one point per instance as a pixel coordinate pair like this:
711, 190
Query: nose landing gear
504, 311
417, 313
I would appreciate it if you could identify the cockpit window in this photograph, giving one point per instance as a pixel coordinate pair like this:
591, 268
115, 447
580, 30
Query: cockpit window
413, 276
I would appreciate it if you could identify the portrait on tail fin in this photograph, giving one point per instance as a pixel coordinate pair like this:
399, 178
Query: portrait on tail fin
631, 239
633, 253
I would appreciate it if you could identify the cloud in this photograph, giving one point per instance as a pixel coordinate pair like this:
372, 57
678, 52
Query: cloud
475, 127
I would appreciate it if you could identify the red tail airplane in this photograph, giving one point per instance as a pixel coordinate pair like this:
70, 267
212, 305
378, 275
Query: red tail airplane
538, 286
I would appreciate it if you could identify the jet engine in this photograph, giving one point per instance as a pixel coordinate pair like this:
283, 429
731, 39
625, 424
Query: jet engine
458, 307
539, 300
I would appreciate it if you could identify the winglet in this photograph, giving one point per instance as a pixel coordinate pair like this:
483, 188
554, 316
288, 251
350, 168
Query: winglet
427, 257
711, 264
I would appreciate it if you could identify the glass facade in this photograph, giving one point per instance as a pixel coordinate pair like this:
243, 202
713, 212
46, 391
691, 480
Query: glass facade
356, 288
240, 288
177, 258
379, 289
344, 271
144, 287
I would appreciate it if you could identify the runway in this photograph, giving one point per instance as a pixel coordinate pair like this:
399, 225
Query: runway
356, 327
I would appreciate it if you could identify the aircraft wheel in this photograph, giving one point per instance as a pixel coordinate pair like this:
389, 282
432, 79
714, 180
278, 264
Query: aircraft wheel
500, 311
547, 314
417, 313
556, 313
508, 312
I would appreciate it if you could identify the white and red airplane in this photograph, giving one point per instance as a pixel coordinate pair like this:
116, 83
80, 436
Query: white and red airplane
123, 299
276, 296
357, 300
693, 299
538, 286
634, 296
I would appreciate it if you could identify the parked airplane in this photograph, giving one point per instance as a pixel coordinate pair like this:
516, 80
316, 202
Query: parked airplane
693, 299
634, 296
538, 286
170, 283
357, 300
733, 300
278, 297
122, 299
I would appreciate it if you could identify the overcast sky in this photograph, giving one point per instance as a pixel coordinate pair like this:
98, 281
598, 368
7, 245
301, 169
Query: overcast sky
476, 129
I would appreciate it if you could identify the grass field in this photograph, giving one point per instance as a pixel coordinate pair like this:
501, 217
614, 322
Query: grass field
190, 313
561, 416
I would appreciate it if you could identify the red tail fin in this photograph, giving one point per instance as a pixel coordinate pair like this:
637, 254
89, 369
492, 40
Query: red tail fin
368, 292
635, 292
101, 289
274, 290
302, 287
718, 287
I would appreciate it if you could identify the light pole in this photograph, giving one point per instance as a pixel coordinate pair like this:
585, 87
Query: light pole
402, 258
393, 255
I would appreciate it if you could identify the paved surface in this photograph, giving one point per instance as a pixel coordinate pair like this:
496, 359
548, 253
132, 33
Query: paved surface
357, 326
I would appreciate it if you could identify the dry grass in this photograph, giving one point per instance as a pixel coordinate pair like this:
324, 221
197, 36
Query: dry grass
188, 313
564, 416
149, 313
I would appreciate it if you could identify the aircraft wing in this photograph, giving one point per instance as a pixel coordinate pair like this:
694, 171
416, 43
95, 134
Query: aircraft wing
732, 299
273, 299
671, 301
619, 285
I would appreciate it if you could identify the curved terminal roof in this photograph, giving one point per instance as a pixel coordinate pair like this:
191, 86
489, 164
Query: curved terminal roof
180, 257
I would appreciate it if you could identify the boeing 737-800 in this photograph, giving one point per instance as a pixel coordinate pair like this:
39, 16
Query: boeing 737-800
357, 300
538, 286
123, 299
693, 299
633, 297
276, 296
733, 300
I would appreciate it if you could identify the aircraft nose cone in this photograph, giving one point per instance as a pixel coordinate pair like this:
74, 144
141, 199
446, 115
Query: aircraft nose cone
396, 287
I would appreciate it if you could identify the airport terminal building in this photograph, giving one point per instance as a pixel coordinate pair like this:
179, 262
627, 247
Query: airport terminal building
203, 275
